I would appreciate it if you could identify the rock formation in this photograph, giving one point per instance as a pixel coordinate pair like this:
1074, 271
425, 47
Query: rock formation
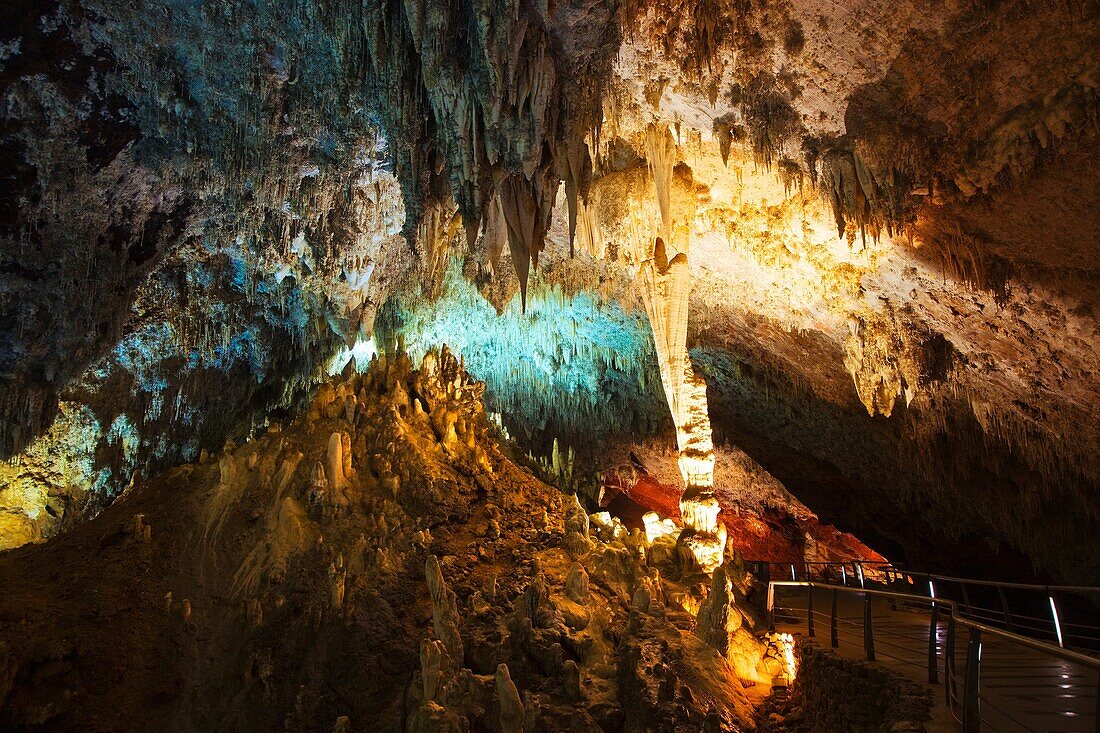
401, 611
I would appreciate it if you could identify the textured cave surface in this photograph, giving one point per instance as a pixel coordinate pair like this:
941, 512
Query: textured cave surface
828, 267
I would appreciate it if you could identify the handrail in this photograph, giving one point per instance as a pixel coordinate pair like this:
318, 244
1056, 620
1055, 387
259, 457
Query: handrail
886, 566
1066, 631
965, 702
1056, 651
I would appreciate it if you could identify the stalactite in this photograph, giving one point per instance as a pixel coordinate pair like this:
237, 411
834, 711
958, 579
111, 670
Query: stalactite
967, 258
727, 131
589, 234
526, 228
661, 149
435, 234
576, 171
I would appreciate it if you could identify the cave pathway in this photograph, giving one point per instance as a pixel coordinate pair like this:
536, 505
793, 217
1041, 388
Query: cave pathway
1022, 690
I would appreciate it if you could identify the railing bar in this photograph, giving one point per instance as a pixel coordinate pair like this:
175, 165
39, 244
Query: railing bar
1048, 628
1067, 654
899, 634
918, 646
1022, 676
889, 567
894, 646
918, 634
918, 642
897, 659
1047, 620
996, 617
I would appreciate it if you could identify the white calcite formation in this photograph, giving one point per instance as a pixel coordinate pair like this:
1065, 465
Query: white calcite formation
665, 284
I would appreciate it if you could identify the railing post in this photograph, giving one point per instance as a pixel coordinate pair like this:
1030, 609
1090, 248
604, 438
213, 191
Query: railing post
966, 599
971, 708
933, 628
771, 607
834, 638
868, 632
1057, 623
810, 611
1004, 607
949, 662
844, 575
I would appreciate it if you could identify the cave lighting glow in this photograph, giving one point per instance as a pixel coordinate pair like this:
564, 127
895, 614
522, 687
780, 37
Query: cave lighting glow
578, 360
363, 350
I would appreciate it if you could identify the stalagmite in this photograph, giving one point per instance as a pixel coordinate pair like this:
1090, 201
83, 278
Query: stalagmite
337, 579
571, 680
435, 664
334, 469
444, 609
318, 486
576, 583
511, 707
577, 541
717, 620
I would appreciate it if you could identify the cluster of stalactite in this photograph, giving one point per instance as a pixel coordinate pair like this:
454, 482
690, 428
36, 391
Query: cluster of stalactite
574, 368
890, 356
492, 117
210, 207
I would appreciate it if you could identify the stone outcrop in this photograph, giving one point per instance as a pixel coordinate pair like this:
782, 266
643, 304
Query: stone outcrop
843, 694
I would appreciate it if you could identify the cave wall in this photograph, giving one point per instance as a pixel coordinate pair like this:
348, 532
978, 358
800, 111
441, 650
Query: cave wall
201, 213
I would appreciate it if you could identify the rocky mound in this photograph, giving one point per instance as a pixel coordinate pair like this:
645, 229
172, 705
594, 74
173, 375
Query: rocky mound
377, 565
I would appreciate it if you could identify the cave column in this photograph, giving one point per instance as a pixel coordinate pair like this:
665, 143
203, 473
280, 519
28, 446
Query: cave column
665, 286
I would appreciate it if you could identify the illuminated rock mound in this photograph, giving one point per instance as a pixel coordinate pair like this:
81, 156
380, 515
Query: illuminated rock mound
376, 564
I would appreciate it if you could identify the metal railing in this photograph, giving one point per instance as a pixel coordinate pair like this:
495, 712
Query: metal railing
1066, 615
933, 655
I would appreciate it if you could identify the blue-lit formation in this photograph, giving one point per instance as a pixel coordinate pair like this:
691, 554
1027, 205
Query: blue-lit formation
219, 345
572, 367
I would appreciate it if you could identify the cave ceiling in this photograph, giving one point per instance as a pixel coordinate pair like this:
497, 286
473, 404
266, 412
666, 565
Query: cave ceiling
876, 271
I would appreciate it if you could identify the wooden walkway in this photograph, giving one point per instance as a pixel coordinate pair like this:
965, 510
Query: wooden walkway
1021, 690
